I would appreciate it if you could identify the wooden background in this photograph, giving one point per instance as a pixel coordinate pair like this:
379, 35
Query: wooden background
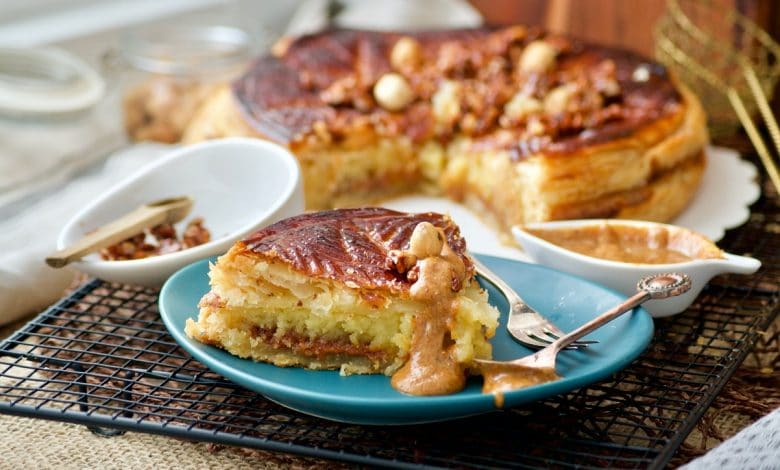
626, 23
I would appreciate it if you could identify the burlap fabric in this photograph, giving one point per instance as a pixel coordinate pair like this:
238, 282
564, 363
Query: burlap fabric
41, 444
34, 443
753, 392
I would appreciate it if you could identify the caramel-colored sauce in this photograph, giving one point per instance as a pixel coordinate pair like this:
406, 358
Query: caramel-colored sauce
630, 244
500, 378
432, 368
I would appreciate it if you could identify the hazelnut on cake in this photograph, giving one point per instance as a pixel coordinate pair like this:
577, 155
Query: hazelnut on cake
359, 290
519, 124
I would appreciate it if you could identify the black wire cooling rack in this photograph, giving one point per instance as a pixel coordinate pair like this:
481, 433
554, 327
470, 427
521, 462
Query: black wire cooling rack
103, 358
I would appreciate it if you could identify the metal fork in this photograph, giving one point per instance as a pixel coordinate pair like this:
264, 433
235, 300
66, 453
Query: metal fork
525, 324
540, 366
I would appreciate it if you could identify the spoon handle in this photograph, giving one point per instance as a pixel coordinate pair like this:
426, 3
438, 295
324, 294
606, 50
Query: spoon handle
125, 227
658, 286
601, 320
169, 210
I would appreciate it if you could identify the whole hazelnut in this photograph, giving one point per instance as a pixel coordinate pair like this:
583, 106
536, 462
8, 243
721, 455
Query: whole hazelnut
557, 100
609, 87
522, 105
426, 240
641, 73
537, 56
535, 127
393, 92
406, 54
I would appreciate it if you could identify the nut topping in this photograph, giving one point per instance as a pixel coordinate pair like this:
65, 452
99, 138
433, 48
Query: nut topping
393, 92
446, 102
538, 56
522, 105
609, 88
535, 127
641, 73
406, 54
495, 86
558, 99
426, 241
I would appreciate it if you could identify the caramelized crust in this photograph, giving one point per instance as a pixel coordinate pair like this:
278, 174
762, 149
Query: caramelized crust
585, 131
348, 245
326, 79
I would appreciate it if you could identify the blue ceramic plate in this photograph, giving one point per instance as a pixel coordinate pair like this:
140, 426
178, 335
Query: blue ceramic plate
369, 399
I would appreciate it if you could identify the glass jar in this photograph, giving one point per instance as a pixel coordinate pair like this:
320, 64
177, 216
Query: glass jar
169, 72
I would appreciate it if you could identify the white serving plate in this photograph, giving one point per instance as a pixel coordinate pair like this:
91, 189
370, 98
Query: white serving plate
722, 202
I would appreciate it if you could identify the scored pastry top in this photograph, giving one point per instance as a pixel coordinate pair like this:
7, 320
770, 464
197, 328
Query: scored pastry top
351, 246
510, 88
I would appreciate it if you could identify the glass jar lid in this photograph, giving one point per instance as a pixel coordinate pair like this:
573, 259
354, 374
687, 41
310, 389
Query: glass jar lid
186, 50
46, 81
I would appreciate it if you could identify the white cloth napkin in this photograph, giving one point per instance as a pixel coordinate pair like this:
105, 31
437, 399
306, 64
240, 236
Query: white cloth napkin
757, 447
27, 284
38, 153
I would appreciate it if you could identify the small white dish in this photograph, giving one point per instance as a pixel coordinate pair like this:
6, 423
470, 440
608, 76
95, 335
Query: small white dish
623, 276
239, 185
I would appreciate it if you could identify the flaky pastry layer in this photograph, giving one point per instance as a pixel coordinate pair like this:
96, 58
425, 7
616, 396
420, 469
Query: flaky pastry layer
662, 162
649, 150
267, 311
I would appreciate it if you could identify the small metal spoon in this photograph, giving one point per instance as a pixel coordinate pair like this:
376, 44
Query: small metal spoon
539, 368
168, 210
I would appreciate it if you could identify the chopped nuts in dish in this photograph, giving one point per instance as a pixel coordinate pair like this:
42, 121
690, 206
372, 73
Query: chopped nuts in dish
158, 240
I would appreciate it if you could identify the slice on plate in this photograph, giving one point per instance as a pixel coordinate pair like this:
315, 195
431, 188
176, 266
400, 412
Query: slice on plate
360, 290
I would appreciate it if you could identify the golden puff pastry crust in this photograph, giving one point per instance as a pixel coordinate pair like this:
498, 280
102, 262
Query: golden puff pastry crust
324, 291
526, 125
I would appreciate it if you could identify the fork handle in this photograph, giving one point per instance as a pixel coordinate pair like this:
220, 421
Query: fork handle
606, 317
516, 303
500, 284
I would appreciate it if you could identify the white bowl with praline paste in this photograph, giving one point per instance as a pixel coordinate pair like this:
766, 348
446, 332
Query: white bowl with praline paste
617, 253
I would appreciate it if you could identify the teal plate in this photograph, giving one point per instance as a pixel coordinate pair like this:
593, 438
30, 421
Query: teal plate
369, 399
